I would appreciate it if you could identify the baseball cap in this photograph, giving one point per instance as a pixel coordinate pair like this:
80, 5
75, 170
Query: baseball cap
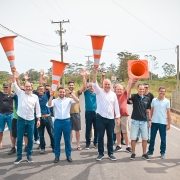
5, 85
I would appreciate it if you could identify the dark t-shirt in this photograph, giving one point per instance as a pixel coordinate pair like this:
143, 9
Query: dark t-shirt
6, 103
140, 107
150, 96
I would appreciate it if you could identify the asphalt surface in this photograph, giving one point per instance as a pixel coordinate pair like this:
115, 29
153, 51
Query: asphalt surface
85, 166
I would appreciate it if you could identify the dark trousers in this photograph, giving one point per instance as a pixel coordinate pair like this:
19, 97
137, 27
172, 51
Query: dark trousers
36, 132
104, 124
162, 131
91, 120
48, 123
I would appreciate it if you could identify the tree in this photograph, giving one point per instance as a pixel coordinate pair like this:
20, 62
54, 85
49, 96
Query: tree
4, 76
152, 64
169, 69
123, 59
90, 65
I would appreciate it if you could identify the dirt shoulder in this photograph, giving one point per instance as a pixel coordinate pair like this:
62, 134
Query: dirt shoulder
175, 118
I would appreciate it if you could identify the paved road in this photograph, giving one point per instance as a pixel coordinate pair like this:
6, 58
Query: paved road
85, 166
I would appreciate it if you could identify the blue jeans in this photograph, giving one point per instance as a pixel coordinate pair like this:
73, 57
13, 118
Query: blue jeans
36, 132
62, 126
48, 123
102, 125
28, 127
91, 120
6, 118
162, 131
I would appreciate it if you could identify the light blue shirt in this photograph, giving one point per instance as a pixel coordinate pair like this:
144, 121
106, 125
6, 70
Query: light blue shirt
160, 110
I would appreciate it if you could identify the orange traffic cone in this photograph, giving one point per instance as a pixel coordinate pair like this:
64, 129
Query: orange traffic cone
138, 69
57, 71
97, 44
8, 46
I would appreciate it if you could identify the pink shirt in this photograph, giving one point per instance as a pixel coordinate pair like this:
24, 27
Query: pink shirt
122, 99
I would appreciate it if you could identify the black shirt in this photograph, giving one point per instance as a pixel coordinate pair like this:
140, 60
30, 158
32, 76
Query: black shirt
140, 107
150, 96
6, 103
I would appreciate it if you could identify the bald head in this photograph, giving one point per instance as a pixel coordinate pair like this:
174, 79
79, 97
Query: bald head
107, 85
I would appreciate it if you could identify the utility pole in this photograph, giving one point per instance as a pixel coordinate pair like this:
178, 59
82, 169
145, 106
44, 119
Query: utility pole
88, 62
61, 44
177, 68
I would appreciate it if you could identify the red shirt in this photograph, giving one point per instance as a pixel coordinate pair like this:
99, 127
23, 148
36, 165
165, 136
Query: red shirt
122, 99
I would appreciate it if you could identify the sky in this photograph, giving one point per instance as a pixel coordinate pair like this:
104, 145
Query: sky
150, 27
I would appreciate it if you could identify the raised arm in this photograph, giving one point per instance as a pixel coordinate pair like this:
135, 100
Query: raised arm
95, 75
102, 78
83, 88
41, 77
50, 104
9, 86
26, 77
15, 86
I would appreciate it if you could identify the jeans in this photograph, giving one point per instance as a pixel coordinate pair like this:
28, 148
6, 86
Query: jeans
28, 127
48, 123
162, 131
102, 125
36, 133
90, 117
62, 126
6, 119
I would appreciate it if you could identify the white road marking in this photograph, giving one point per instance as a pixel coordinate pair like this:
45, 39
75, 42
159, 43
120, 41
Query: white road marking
175, 127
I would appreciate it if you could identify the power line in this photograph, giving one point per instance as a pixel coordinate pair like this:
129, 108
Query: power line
142, 22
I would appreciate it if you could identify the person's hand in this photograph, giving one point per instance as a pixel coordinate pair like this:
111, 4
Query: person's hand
13, 69
118, 121
82, 72
167, 127
103, 73
10, 80
26, 77
44, 80
67, 91
42, 72
38, 123
87, 72
95, 69
16, 74
51, 93
149, 124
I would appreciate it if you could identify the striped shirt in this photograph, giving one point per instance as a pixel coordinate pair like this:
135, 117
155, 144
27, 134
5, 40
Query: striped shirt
107, 103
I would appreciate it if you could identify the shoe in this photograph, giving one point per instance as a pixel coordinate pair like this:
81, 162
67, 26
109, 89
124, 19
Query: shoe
95, 146
146, 157
56, 160
99, 158
111, 157
12, 151
162, 156
149, 153
42, 151
118, 148
18, 160
137, 139
128, 149
25, 149
29, 159
87, 146
123, 142
39, 147
133, 156
79, 148
69, 159
148, 141
37, 142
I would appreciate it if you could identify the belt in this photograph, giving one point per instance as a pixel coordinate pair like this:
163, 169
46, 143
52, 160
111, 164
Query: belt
45, 115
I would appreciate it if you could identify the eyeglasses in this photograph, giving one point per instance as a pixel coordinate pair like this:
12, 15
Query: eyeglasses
146, 87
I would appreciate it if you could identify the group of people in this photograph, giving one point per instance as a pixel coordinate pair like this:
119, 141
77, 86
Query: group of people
105, 110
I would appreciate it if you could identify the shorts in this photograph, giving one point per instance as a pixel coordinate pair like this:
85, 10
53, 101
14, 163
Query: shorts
76, 121
138, 126
124, 125
14, 128
6, 119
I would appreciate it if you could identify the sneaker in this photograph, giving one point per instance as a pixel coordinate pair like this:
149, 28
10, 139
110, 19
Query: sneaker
29, 159
133, 156
37, 142
18, 160
42, 151
12, 151
128, 149
137, 139
99, 158
149, 153
95, 146
87, 146
111, 157
25, 149
118, 148
162, 156
146, 157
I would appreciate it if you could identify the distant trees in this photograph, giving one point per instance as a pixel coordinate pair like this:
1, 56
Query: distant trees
169, 69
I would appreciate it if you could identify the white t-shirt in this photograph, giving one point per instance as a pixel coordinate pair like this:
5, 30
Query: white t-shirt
160, 110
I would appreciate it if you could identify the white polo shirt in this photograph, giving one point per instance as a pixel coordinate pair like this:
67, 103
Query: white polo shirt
160, 110
107, 103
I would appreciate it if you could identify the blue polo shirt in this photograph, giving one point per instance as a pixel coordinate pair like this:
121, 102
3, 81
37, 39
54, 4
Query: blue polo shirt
90, 101
160, 110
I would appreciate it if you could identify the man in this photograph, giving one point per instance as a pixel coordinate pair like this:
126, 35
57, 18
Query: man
159, 111
141, 107
28, 104
46, 119
62, 123
124, 127
75, 113
151, 97
6, 112
90, 112
107, 108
